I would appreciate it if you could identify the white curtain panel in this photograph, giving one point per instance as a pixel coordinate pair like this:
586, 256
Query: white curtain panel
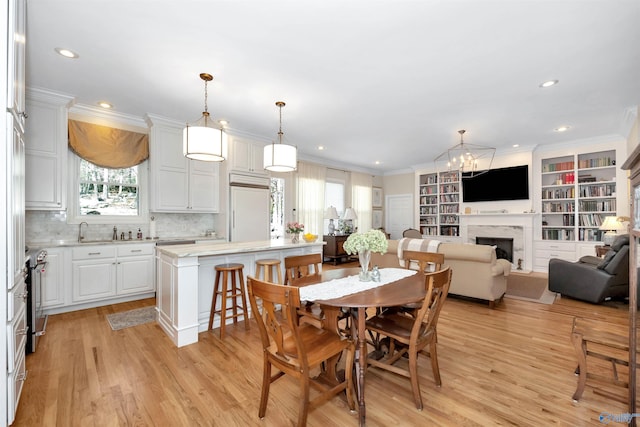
311, 179
362, 199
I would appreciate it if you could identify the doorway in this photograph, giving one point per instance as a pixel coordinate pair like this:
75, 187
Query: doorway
398, 214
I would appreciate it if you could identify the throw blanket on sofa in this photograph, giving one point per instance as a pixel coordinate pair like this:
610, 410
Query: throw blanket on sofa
421, 245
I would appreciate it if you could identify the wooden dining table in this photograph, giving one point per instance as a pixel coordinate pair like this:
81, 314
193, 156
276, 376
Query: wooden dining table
402, 291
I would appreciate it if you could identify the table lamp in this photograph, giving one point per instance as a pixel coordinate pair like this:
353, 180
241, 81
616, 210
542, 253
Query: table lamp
331, 213
348, 217
611, 225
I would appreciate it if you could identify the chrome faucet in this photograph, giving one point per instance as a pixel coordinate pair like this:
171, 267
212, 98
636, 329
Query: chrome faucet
80, 235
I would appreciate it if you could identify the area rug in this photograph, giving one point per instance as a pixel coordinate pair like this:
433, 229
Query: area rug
130, 318
530, 287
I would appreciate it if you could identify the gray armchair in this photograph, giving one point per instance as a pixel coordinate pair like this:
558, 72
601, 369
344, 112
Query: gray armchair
593, 279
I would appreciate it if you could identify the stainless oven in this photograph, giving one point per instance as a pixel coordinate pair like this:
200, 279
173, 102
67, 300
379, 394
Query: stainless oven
36, 319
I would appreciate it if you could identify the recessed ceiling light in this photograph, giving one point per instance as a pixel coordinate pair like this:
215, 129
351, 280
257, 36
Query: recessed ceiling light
66, 53
377, 162
223, 122
562, 128
320, 147
105, 104
549, 83
516, 145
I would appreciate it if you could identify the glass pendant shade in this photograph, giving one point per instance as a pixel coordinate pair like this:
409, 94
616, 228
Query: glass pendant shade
280, 157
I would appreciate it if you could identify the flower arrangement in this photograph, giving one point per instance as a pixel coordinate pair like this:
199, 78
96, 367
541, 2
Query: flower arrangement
295, 227
372, 240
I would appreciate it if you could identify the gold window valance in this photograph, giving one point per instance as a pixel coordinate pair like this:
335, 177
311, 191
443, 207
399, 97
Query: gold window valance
108, 147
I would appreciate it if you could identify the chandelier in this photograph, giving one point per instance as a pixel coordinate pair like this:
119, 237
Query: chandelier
473, 160
279, 157
202, 141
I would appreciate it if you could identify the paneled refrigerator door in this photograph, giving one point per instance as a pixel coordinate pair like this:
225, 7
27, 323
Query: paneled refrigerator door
249, 214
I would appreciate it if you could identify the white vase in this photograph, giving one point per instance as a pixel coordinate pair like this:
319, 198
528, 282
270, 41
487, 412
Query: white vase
364, 257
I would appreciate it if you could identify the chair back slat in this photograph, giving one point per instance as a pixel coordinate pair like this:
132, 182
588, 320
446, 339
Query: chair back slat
437, 286
423, 261
300, 266
274, 327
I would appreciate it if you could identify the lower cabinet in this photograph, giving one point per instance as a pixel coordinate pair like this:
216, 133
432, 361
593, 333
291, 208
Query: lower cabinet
334, 250
547, 249
86, 276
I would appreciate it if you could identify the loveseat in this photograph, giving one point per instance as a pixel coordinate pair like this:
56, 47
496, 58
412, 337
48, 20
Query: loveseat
476, 271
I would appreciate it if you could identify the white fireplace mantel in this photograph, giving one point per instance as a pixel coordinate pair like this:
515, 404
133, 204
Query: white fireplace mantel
515, 225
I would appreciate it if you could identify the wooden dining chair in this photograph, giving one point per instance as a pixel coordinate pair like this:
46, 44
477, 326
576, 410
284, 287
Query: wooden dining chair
423, 261
301, 267
411, 334
296, 349
412, 233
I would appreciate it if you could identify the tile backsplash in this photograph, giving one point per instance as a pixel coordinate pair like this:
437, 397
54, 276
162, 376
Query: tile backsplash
52, 225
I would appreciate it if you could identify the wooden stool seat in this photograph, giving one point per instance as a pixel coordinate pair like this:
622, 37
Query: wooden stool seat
267, 265
226, 292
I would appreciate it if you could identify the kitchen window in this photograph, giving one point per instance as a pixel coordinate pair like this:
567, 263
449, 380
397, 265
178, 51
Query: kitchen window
107, 196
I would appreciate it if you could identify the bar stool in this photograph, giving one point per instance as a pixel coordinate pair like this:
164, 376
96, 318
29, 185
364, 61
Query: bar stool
226, 292
267, 265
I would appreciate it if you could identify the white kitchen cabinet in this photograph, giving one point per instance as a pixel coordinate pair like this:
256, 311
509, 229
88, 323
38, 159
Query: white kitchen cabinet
178, 184
103, 272
93, 273
52, 278
16, 33
246, 156
46, 150
14, 333
135, 269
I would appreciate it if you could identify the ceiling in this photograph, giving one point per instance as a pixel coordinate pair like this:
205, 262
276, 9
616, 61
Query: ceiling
377, 81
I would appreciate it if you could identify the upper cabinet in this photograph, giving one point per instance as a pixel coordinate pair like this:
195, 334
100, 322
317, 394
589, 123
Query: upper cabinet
246, 156
46, 150
179, 184
16, 60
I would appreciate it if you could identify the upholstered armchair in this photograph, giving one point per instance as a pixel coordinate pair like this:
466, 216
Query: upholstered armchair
593, 279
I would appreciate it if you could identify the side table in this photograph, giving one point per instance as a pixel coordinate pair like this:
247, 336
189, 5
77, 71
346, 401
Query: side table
601, 250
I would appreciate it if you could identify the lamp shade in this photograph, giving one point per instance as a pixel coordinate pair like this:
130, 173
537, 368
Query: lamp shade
611, 223
331, 213
280, 157
349, 214
203, 143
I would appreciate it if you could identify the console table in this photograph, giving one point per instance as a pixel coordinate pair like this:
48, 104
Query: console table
334, 250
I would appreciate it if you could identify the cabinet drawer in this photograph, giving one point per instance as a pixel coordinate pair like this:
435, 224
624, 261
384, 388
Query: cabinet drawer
16, 339
16, 301
92, 252
555, 246
135, 250
15, 381
548, 254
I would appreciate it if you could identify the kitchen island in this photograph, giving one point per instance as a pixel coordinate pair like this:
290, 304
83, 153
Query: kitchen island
185, 278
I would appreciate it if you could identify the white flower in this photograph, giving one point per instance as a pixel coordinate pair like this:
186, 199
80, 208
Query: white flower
372, 240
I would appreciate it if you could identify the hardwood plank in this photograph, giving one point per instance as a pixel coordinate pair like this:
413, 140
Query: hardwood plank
509, 366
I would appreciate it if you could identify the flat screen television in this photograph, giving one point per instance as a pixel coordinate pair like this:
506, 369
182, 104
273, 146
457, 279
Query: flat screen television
510, 183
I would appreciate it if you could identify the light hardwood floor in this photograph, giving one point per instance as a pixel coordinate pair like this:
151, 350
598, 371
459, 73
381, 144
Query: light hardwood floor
509, 366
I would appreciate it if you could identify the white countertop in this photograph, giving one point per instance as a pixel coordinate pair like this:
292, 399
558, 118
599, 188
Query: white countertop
207, 249
53, 243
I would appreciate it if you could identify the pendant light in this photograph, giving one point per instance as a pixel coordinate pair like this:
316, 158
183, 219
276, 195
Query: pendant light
202, 141
279, 157
470, 159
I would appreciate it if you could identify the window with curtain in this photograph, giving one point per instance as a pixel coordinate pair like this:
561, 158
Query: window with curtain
310, 197
361, 200
333, 196
109, 183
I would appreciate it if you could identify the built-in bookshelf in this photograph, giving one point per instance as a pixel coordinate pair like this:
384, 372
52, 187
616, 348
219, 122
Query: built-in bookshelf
439, 204
578, 192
